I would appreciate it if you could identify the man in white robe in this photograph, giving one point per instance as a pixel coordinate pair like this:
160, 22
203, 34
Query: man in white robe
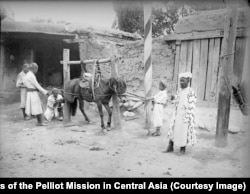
20, 84
182, 128
33, 101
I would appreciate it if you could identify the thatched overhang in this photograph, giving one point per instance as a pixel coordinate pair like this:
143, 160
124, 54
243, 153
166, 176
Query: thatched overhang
11, 29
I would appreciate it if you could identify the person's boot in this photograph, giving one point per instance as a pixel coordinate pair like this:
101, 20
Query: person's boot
40, 120
25, 116
182, 150
170, 147
157, 132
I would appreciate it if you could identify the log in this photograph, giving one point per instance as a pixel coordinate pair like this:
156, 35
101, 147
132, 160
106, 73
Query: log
89, 61
200, 35
228, 46
116, 106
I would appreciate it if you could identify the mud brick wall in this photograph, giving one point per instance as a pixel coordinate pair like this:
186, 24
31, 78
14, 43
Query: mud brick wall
131, 63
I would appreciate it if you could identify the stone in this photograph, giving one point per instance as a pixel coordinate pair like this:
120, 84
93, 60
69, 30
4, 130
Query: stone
234, 130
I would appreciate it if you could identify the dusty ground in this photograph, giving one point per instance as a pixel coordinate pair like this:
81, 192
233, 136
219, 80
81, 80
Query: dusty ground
80, 151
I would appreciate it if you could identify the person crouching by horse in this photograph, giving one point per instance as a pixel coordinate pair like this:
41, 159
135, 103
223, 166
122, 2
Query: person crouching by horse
159, 101
54, 106
20, 84
33, 101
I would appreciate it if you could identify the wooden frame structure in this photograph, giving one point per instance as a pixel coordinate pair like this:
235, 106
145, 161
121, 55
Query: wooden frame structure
200, 53
114, 73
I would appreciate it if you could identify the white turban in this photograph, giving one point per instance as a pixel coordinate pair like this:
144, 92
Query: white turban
185, 75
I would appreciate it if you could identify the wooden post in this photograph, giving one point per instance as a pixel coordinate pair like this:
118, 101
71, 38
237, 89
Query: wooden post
2, 66
66, 77
116, 105
147, 59
227, 57
245, 80
66, 67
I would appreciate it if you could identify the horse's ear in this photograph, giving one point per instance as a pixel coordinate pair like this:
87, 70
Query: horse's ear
112, 81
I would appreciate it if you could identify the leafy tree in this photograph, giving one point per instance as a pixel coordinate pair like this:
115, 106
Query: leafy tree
130, 16
164, 14
6, 13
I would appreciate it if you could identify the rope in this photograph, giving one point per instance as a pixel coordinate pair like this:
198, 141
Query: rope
75, 94
131, 94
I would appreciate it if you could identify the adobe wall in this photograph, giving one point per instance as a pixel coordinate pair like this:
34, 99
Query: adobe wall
131, 65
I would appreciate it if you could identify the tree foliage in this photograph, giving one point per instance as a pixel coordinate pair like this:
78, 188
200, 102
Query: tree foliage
164, 14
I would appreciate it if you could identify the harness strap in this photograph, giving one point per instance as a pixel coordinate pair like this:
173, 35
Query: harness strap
93, 80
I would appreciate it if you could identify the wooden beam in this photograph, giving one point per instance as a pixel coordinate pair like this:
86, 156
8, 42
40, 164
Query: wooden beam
89, 61
227, 54
201, 35
116, 105
70, 41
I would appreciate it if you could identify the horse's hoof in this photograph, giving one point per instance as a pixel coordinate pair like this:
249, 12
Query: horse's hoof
108, 128
88, 122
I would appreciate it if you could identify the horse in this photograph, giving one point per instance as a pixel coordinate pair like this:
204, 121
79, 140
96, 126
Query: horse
73, 92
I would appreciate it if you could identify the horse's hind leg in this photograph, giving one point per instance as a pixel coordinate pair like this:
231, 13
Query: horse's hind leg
99, 106
110, 115
81, 107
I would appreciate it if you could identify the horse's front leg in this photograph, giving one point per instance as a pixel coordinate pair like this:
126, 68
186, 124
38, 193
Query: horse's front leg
99, 106
110, 116
81, 107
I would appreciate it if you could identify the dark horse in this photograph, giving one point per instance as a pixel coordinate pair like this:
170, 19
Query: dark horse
102, 96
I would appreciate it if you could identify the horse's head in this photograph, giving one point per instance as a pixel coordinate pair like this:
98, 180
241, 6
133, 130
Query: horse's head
117, 85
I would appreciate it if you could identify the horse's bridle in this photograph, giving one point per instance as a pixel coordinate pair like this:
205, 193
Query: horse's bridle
115, 91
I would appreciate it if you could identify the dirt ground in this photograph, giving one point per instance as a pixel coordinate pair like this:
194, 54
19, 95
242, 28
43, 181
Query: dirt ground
81, 151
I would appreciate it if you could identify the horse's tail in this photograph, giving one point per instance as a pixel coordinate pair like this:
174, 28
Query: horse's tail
73, 107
